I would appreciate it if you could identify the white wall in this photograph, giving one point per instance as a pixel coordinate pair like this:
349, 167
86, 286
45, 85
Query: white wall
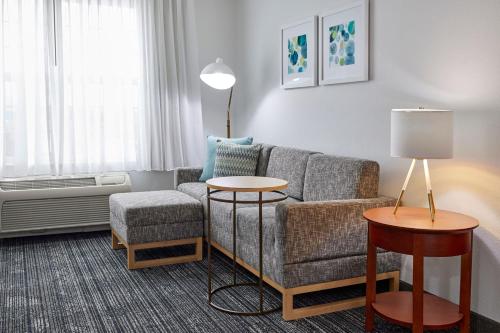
151, 180
217, 34
442, 54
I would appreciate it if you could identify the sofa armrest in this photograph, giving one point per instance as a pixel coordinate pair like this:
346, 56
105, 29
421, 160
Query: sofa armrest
187, 175
322, 230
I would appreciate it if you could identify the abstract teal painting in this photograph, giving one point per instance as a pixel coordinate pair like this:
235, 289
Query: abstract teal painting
299, 44
297, 54
342, 44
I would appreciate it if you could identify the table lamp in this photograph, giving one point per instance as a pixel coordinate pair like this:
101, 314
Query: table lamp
421, 134
219, 76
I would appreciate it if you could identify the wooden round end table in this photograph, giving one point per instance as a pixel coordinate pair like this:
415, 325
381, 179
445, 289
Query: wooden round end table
412, 232
241, 184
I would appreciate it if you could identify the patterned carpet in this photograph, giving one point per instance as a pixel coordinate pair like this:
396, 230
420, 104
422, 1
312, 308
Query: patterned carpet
77, 283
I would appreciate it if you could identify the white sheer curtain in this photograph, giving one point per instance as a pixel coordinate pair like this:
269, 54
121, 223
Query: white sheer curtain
24, 85
119, 94
171, 82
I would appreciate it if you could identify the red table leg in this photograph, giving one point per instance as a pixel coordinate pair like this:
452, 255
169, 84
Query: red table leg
418, 285
465, 289
371, 279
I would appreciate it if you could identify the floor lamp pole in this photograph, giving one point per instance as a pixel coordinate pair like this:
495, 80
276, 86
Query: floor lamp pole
228, 123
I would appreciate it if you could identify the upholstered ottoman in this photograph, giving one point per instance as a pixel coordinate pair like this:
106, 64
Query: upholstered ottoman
145, 220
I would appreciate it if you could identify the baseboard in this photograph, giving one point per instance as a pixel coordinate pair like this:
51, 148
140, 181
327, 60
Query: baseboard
479, 323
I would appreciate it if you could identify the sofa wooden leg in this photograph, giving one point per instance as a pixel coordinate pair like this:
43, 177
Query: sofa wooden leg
292, 313
288, 306
289, 312
115, 242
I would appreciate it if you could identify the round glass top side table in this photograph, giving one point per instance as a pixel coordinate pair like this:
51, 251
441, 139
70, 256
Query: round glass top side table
411, 231
234, 185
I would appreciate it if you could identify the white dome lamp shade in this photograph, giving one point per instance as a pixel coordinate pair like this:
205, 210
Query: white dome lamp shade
218, 75
421, 134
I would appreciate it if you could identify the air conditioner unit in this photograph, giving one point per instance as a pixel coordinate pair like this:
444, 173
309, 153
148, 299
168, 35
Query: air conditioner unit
53, 204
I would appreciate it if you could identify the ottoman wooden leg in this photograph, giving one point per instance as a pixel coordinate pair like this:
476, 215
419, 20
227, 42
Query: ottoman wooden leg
199, 249
134, 264
118, 243
115, 242
131, 263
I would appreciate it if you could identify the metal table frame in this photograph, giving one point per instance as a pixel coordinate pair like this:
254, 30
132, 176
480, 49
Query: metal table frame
259, 284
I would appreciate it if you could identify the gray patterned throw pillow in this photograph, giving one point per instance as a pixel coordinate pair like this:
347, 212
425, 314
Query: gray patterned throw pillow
236, 160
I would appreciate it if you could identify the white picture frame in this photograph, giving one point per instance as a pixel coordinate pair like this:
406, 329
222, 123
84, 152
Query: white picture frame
346, 58
299, 71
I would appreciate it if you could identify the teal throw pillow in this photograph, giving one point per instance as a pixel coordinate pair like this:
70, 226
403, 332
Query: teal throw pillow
236, 160
208, 167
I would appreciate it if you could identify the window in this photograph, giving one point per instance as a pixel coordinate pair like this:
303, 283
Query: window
96, 85
23, 86
100, 69
80, 105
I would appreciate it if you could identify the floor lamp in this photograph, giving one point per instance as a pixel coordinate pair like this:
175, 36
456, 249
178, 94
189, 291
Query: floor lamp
219, 76
421, 134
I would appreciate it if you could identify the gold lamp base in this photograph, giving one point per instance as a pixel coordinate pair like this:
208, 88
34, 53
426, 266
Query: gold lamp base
430, 197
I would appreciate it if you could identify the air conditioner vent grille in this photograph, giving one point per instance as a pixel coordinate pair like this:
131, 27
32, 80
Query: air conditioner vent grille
22, 185
51, 213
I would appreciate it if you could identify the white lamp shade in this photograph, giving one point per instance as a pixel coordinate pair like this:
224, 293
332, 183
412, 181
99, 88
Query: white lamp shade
218, 75
422, 133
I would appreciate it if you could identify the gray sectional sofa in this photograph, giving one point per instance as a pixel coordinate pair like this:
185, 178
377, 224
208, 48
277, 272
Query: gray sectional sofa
316, 239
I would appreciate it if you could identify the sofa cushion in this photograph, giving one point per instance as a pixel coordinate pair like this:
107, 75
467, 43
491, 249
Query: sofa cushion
338, 178
236, 160
221, 212
289, 164
319, 271
154, 207
158, 232
246, 231
208, 167
264, 154
196, 190
144, 217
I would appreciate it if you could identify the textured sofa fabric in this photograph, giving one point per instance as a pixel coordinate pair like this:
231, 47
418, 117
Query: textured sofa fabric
311, 272
196, 190
308, 245
222, 212
309, 231
333, 178
212, 142
320, 239
143, 217
289, 164
236, 160
265, 153
247, 231
187, 175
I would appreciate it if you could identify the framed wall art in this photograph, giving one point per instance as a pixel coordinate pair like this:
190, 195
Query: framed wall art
344, 43
299, 55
